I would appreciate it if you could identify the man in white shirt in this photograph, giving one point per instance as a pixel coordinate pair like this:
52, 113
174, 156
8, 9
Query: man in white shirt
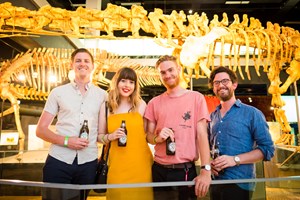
72, 159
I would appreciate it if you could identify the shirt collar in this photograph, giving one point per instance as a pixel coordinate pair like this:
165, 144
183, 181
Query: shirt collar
87, 86
237, 103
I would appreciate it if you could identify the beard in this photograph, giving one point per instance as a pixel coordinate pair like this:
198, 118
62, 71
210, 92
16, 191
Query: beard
172, 85
225, 94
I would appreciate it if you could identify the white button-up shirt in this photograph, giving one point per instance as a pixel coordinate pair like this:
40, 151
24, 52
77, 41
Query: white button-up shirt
72, 109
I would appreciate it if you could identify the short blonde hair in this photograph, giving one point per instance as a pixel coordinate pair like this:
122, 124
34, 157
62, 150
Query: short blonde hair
166, 58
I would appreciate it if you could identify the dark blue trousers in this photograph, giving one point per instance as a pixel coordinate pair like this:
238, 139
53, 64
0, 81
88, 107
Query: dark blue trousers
161, 174
229, 192
56, 171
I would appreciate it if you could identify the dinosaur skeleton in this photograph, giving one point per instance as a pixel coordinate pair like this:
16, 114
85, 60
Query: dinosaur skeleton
37, 65
272, 47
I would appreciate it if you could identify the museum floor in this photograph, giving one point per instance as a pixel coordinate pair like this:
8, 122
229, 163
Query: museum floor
271, 194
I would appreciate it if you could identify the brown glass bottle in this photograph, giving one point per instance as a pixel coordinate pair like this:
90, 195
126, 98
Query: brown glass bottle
216, 153
170, 146
84, 131
122, 142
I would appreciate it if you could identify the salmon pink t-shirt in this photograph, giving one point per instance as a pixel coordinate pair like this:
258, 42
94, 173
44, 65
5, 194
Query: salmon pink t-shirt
181, 114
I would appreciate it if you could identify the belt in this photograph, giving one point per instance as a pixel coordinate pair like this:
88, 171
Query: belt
177, 166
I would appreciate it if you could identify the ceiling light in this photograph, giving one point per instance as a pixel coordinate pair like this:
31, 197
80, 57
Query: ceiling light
131, 3
52, 79
22, 77
78, 4
237, 2
292, 22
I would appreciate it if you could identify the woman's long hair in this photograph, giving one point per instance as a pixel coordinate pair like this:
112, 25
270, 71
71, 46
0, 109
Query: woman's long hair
114, 98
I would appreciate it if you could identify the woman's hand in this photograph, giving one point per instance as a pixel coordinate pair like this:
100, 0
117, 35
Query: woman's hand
118, 133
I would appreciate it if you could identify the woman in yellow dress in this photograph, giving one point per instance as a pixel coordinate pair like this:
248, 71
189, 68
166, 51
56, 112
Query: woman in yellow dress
132, 163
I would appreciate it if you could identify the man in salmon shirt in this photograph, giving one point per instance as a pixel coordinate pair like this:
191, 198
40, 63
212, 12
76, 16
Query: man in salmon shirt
182, 116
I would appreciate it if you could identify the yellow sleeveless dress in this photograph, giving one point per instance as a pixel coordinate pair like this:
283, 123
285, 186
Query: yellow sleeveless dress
130, 164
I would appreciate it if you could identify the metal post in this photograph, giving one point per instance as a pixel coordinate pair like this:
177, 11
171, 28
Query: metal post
1, 120
297, 110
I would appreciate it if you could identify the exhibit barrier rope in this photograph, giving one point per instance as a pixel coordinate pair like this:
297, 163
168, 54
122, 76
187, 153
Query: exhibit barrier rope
138, 185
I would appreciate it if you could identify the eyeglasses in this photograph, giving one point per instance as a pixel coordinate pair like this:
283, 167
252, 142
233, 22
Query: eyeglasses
223, 81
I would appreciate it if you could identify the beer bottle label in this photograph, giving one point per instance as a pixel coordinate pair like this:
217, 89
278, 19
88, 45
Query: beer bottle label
84, 135
123, 140
172, 147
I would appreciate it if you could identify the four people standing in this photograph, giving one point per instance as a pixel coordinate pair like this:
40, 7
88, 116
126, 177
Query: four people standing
241, 135
238, 131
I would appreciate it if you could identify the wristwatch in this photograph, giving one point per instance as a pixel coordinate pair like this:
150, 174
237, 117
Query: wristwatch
206, 167
237, 160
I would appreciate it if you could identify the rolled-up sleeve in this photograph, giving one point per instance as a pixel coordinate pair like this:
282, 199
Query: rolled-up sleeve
262, 136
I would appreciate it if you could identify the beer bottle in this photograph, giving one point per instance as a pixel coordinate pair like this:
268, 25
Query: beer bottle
170, 146
123, 140
215, 152
84, 131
